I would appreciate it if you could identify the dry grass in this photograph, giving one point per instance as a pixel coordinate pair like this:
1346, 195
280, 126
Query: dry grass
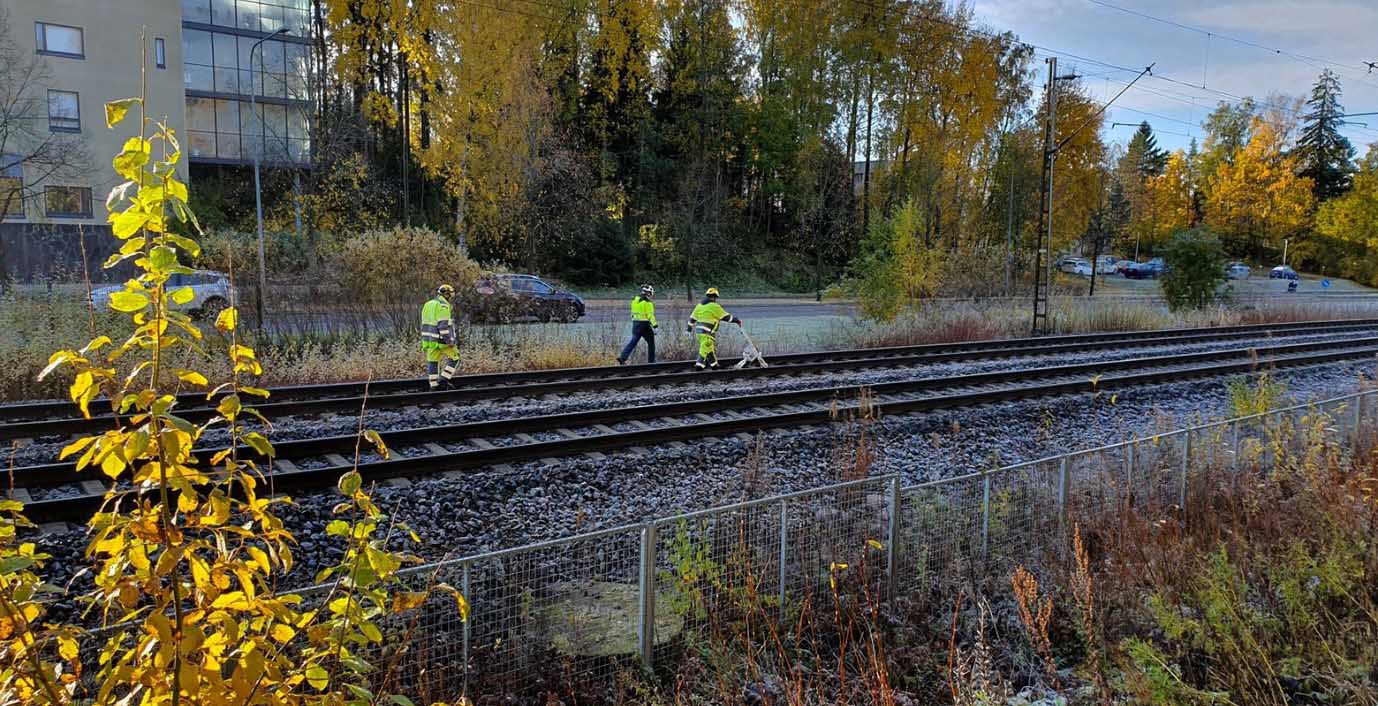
38, 322
1264, 590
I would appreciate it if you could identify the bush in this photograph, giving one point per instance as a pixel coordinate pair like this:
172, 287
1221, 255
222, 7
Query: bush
393, 272
1196, 269
895, 269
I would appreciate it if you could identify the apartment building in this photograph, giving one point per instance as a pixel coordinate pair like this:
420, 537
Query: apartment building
231, 77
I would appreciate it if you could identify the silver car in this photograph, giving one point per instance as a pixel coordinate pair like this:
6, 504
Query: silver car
210, 293
1237, 270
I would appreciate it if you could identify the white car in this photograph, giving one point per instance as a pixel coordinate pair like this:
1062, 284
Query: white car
1074, 265
1082, 268
210, 293
1237, 270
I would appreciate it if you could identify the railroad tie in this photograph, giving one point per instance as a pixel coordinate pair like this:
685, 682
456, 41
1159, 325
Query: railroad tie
397, 483
54, 527
604, 429
286, 465
93, 487
525, 438
639, 424
482, 443
21, 494
23, 441
338, 460
435, 448
567, 433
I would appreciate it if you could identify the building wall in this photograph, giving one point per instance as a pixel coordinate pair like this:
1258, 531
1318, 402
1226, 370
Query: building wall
108, 70
228, 55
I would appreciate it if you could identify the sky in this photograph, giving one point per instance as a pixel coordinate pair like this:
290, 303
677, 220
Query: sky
1344, 32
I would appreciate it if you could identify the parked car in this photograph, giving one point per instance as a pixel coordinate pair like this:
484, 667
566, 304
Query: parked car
1283, 272
1105, 265
1152, 269
211, 293
1071, 264
1081, 267
1137, 270
1122, 265
502, 298
1237, 270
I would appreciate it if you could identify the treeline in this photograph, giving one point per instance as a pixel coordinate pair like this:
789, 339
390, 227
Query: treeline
1267, 178
599, 140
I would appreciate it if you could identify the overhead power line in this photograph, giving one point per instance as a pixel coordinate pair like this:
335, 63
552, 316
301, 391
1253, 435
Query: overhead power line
1303, 58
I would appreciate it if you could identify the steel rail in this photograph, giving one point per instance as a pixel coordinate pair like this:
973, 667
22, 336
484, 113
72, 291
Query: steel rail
605, 374
70, 508
572, 379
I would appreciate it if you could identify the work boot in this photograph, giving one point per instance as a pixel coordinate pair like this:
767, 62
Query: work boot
621, 361
699, 366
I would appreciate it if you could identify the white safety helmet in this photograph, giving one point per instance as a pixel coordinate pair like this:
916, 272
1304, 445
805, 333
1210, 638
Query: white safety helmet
647, 290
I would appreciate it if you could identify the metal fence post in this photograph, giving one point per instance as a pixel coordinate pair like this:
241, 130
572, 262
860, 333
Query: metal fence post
985, 514
1359, 422
1129, 472
646, 621
892, 540
464, 587
1062, 504
1234, 441
1186, 469
784, 544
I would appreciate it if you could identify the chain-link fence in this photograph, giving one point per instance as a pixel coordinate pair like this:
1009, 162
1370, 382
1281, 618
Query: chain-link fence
583, 609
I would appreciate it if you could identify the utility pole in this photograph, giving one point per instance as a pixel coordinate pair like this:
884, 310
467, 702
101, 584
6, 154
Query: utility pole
1043, 279
258, 189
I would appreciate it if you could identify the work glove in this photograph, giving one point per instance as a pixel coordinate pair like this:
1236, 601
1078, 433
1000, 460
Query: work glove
655, 327
739, 323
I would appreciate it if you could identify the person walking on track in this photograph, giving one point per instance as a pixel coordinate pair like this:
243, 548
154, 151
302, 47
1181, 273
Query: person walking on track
643, 325
704, 322
438, 338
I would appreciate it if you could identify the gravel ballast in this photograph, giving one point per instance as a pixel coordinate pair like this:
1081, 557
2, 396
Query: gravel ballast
491, 509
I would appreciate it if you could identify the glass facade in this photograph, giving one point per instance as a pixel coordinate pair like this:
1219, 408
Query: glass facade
218, 37
252, 15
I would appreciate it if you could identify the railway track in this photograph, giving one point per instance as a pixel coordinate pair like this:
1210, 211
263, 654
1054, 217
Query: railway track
313, 463
52, 418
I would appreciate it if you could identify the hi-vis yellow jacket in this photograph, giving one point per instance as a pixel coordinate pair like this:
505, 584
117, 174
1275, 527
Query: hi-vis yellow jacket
644, 310
706, 317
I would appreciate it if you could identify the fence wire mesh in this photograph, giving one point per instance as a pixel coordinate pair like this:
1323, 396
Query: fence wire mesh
580, 611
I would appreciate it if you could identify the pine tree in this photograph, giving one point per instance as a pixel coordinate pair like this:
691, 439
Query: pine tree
1148, 159
1326, 155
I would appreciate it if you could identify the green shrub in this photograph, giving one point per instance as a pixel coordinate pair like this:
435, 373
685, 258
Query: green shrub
1196, 269
395, 271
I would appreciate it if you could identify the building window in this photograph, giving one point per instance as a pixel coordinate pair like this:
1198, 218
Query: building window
11, 186
64, 111
196, 11
160, 53
67, 201
60, 40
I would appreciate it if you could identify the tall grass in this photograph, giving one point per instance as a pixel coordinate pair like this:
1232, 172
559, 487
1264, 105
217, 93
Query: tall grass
321, 337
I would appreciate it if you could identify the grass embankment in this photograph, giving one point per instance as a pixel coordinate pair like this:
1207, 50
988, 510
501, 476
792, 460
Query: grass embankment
330, 350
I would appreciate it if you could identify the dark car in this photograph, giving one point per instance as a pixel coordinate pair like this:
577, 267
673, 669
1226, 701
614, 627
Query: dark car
505, 298
1146, 270
1283, 272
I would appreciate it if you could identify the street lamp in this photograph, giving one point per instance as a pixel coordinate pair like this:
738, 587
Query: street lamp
258, 191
